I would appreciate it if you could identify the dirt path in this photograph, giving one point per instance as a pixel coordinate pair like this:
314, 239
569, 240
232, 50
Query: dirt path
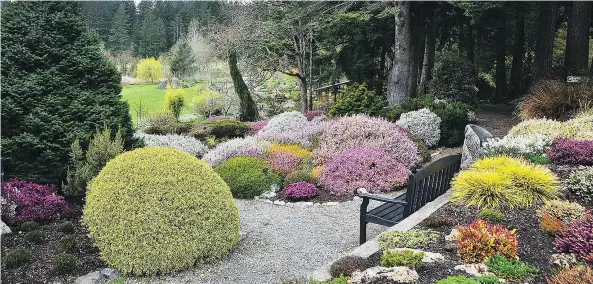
497, 120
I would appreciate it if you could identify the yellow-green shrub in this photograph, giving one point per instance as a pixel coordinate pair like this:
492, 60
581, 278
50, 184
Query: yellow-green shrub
504, 182
157, 210
580, 127
294, 149
174, 101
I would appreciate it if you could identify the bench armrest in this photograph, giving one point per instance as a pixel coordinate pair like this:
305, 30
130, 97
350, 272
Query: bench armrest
380, 198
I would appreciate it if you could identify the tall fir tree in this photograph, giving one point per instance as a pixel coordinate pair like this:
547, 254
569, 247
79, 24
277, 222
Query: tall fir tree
119, 37
151, 37
182, 60
57, 87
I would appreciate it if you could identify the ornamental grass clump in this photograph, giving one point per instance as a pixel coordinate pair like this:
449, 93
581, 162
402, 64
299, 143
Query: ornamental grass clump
249, 146
571, 152
576, 238
423, 124
300, 190
362, 130
580, 183
247, 177
564, 211
363, 166
407, 239
179, 142
34, 202
481, 240
181, 212
501, 181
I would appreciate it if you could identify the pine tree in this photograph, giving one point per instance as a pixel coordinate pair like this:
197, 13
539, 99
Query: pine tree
56, 86
151, 37
247, 107
119, 37
182, 60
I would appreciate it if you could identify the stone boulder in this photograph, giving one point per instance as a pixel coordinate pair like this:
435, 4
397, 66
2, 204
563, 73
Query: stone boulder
398, 274
476, 269
474, 137
5, 228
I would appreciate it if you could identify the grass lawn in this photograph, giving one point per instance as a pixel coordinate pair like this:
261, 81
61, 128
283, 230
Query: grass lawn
153, 99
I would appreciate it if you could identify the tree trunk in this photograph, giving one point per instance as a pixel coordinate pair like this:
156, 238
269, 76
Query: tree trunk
576, 60
501, 73
299, 43
542, 61
417, 46
429, 52
247, 107
398, 86
381, 75
470, 45
518, 51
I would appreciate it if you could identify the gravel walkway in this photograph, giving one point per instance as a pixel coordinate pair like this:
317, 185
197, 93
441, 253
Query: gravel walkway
280, 243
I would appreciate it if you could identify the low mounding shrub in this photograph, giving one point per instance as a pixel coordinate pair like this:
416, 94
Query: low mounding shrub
564, 211
295, 149
576, 238
502, 181
182, 212
571, 152
422, 149
580, 183
302, 132
357, 99
459, 279
517, 146
579, 274
406, 258
510, 269
297, 176
550, 224
283, 162
362, 130
257, 126
555, 99
15, 258
66, 227
35, 237
423, 124
34, 201
247, 177
249, 146
315, 113
481, 240
29, 226
491, 215
220, 128
67, 243
284, 122
300, 190
546, 128
363, 166
164, 123
179, 142
347, 265
64, 263
407, 239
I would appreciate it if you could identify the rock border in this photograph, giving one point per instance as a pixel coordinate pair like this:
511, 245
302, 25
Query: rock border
372, 246
310, 203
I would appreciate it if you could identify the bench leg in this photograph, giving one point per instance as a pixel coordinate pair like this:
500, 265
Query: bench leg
363, 222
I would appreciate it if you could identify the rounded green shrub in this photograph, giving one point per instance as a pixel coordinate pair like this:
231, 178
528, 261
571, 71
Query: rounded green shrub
16, 258
67, 243
64, 263
35, 237
158, 210
29, 226
247, 176
66, 227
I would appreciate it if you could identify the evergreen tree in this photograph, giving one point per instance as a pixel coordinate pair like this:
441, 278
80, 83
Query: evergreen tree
151, 37
182, 60
119, 37
247, 107
57, 87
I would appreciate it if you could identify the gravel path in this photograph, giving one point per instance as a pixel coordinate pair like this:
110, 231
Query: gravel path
281, 242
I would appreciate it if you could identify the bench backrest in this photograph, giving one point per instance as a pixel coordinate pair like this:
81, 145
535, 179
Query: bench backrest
430, 182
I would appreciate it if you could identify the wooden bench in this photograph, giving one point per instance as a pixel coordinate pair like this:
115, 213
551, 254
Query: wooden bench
424, 186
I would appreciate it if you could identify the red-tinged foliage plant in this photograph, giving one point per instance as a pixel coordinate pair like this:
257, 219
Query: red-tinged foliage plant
300, 190
34, 202
257, 126
551, 224
571, 152
577, 238
579, 274
315, 113
481, 240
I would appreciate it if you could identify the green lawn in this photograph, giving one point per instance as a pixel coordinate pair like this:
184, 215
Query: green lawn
153, 100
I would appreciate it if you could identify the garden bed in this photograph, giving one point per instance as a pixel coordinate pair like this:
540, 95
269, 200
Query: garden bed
39, 268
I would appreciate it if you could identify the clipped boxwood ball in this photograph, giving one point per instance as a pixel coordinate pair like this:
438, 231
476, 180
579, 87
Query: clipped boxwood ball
158, 210
247, 176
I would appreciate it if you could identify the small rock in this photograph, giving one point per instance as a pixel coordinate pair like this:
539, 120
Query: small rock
92, 278
477, 269
268, 195
331, 203
289, 204
362, 190
5, 228
564, 260
307, 203
398, 274
451, 237
429, 257
450, 247
111, 273
279, 202
317, 204
274, 188
268, 201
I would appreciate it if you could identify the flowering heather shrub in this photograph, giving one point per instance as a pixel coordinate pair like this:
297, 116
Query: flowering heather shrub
564, 211
481, 240
284, 122
362, 130
423, 124
249, 146
363, 166
302, 134
407, 239
300, 190
580, 127
551, 224
297, 176
294, 149
315, 113
502, 181
34, 201
257, 126
576, 238
580, 274
580, 183
571, 152
517, 146
179, 142
283, 162
551, 129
